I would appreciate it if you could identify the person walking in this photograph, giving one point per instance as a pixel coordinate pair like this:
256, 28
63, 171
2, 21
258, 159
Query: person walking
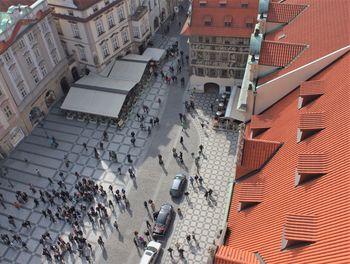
148, 224
201, 149
160, 159
212, 108
191, 180
188, 238
100, 242
11, 221
182, 140
101, 145
194, 236
115, 224
145, 205
153, 207
85, 146
170, 250
38, 172
187, 195
181, 253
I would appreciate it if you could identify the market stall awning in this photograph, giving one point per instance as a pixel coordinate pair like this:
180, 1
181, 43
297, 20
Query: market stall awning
128, 70
154, 53
93, 102
137, 57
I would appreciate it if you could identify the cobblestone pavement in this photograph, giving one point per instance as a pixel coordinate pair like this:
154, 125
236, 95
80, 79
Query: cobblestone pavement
205, 217
70, 135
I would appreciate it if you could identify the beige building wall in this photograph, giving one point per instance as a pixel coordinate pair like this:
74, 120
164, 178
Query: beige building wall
32, 67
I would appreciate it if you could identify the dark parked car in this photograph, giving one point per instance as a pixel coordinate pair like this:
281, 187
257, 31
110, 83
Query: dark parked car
163, 220
178, 186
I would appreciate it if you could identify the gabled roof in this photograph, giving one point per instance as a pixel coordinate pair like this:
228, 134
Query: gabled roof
256, 153
261, 228
323, 26
218, 14
279, 54
227, 255
283, 13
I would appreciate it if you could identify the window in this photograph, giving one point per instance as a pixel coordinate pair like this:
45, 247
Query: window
21, 90
115, 43
200, 39
106, 2
70, 13
99, 27
58, 27
202, 3
95, 8
227, 23
28, 59
239, 74
224, 74
43, 69
136, 32
14, 72
132, 6
200, 72
125, 36
110, 20
244, 5
207, 20
21, 44
82, 53
75, 30
36, 52
207, 40
212, 56
249, 25
121, 14
44, 26
35, 76
54, 56
30, 37
7, 57
105, 49
155, 2
49, 41
7, 111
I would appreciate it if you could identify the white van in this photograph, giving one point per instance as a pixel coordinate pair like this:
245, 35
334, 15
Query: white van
151, 253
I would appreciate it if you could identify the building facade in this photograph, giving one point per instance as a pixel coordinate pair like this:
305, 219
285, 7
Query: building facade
96, 32
33, 70
219, 34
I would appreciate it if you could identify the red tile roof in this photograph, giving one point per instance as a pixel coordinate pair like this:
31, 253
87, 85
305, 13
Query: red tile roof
279, 54
255, 154
310, 88
250, 192
300, 227
259, 124
312, 120
323, 26
283, 13
240, 16
260, 228
5, 4
227, 255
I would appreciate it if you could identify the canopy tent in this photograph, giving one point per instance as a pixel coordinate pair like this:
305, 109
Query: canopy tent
100, 83
93, 102
127, 70
154, 53
137, 58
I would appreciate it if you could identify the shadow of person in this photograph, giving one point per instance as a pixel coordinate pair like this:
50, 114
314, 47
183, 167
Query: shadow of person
120, 237
134, 182
104, 254
164, 169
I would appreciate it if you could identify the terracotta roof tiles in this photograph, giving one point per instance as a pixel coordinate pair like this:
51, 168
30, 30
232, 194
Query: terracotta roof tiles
279, 54
227, 255
283, 13
260, 228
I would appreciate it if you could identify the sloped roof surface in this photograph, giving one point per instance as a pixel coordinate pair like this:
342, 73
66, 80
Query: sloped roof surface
260, 228
323, 26
283, 13
227, 255
240, 16
279, 54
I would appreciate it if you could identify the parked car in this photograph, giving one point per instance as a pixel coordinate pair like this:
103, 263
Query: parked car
151, 253
162, 220
178, 186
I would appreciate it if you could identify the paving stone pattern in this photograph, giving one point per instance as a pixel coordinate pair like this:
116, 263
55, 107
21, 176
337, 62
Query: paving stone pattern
205, 217
70, 134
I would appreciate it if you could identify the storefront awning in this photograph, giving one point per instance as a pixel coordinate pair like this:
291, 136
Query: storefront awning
93, 102
127, 70
154, 53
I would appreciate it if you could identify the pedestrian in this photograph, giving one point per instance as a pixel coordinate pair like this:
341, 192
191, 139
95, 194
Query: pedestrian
181, 140
186, 194
200, 179
145, 205
153, 207
44, 213
132, 140
202, 125
24, 245
85, 146
196, 178
210, 192
191, 180
115, 224
132, 134
174, 153
159, 101
179, 24
101, 145
181, 253
105, 135
32, 189
129, 158
151, 122
135, 242
149, 130
212, 108
201, 149
160, 159
11, 221
149, 226
179, 211
110, 204
100, 241
36, 202
180, 116
194, 236
188, 238
170, 250
97, 155
119, 171
38, 173
206, 195
50, 181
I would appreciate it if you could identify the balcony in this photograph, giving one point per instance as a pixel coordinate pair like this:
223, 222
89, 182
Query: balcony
220, 47
216, 64
139, 13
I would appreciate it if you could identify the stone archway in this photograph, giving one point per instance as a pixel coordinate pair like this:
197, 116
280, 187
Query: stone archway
156, 23
64, 85
211, 88
50, 98
35, 115
75, 74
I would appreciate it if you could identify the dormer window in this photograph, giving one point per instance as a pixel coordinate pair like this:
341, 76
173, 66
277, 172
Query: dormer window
249, 22
207, 21
70, 13
244, 4
228, 21
222, 3
202, 3
95, 8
